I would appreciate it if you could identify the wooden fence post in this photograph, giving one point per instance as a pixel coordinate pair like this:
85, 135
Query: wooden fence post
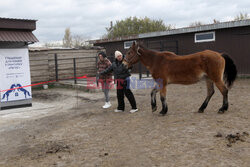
56, 67
74, 62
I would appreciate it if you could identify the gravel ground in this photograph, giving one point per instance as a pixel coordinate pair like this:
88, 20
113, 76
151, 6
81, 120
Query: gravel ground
67, 127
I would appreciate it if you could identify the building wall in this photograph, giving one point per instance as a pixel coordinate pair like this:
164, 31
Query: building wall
233, 41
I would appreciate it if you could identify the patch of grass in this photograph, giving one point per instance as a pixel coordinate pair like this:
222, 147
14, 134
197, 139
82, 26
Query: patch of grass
242, 76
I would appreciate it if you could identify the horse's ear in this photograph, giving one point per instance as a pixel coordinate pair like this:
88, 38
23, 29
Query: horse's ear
134, 43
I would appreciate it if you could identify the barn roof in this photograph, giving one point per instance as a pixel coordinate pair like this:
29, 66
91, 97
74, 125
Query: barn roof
17, 30
207, 27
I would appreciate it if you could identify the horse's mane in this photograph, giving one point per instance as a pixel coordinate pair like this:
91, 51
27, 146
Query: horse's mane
167, 53
160, 53
151, 52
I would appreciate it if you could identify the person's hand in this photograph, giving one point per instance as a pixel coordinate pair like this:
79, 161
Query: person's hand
100, 73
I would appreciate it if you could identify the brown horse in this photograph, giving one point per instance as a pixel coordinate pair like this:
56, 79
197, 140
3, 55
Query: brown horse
218, 69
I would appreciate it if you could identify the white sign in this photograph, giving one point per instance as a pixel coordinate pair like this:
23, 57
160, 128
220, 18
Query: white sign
14, 73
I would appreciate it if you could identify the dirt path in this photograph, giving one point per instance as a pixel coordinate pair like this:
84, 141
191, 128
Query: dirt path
60, 130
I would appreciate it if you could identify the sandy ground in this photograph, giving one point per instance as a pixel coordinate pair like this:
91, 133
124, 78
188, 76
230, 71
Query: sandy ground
66, 127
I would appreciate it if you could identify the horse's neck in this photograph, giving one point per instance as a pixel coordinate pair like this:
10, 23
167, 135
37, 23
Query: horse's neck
147, 57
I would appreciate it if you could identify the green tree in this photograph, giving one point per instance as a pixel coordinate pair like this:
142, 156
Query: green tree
134, 25
241, 16
67, 39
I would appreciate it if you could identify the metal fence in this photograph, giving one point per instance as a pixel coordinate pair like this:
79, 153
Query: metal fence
72, 68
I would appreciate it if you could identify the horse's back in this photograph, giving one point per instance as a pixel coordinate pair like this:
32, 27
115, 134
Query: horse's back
184, 69
206, 56
190, 68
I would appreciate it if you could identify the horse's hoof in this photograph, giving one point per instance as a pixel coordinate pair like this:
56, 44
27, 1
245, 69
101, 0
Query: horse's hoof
200, 111
154, 109
221, 111
163, 113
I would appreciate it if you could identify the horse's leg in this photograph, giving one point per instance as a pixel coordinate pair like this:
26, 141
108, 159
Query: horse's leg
163, 93
210, 92
153, 99
224, 91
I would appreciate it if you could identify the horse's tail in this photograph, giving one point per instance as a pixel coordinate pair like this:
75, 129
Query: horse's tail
230, 71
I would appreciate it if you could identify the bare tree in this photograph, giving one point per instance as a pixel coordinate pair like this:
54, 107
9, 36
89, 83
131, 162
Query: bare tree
196, 23
79, 41
216, 21
241, 16
54, 44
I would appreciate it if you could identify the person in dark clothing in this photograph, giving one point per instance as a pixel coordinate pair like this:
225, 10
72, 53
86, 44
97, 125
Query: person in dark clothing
121, 75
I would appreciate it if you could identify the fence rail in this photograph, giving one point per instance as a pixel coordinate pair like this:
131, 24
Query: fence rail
69, 68
61, 64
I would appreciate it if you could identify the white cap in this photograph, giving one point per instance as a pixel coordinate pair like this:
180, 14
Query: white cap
117, 53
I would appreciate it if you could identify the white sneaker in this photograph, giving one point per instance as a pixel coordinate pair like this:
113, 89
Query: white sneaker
107, 105
133, 110
116, 110
104, 105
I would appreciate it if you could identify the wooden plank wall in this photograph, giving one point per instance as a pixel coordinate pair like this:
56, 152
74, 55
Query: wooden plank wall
42, 63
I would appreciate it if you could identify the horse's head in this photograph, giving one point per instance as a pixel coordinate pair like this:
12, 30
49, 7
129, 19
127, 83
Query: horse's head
12, 86
132, 55
19, 86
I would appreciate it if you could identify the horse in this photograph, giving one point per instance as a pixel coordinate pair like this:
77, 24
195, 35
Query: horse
7, 93
20, 88
217, 68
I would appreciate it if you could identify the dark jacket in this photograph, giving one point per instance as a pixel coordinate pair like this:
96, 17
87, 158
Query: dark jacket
119, 70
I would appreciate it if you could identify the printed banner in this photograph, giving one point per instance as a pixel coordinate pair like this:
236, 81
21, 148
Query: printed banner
14, 73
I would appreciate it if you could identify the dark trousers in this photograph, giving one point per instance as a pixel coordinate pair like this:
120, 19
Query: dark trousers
122, 90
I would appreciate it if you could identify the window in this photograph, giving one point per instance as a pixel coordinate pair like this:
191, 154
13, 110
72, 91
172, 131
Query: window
127, 44
204, 37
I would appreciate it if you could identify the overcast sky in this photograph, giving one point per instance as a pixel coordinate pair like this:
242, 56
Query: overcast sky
89, 18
